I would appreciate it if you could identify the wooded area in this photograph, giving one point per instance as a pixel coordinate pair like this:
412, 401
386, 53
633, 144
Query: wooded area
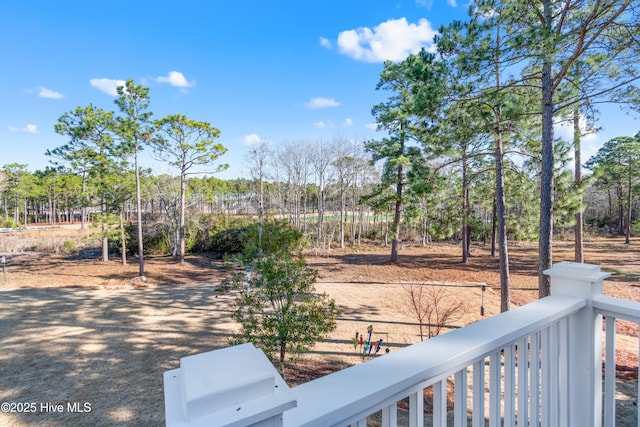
469, 151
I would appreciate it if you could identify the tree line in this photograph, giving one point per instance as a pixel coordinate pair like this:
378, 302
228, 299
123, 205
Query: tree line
469, 151
339, 205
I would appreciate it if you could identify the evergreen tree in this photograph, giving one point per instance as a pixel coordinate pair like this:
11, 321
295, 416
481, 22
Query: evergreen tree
276, 304
92, 153
134, 130
400, 117
617, 163
185, 144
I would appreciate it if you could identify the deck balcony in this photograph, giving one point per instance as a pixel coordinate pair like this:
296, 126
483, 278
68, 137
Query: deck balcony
538, 365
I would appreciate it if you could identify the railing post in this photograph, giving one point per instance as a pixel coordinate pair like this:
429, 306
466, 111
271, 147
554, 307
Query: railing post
235, 386
585, 342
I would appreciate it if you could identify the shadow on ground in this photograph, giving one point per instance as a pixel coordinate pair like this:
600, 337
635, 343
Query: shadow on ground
104, 347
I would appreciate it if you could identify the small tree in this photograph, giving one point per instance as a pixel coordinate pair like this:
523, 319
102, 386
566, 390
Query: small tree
432, 307
276, 304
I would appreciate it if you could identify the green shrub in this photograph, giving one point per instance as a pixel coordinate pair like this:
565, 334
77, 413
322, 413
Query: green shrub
156, 237
215, 233
68, 246
7, 223
228, 234
278, 237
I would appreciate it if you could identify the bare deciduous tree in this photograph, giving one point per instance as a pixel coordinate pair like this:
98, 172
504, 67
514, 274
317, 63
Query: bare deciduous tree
294, 159
433, 307
321, 159
257, 161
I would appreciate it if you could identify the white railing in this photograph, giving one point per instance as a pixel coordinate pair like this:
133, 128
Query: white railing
537, 365
613, 309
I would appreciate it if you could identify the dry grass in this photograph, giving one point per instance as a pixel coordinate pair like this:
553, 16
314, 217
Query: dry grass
73, 329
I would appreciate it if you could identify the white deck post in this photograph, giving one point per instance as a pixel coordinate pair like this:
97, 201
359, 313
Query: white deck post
234, 386
585, 341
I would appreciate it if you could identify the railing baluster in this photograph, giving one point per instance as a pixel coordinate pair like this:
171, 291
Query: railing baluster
563, 373
360, 423
509, 386
554, 360
545, 382
460, 399
494, 389
416, 409
523, 382
478, 393
534, 374
390, 416
610, 373
440, 403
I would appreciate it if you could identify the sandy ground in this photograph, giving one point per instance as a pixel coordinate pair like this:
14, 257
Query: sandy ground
74, 330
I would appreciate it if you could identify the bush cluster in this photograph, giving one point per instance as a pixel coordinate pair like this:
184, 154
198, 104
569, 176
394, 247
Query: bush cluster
220, 234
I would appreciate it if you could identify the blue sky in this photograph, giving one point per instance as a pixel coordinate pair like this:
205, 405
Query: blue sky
257, 70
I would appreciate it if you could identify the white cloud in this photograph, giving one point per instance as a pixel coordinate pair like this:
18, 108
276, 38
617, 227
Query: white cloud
30, 128
177, 79
325, 124
425, 3
564, 130
317, 103
325, 42
452, 3
252, 139
43, 92
347, 122
391, 40
371, 126
108, 86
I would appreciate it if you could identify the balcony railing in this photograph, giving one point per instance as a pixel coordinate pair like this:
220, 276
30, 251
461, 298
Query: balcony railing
537, 365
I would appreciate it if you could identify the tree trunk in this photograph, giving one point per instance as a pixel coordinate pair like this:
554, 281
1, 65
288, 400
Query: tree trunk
342, 217
465, 213
627, 239
139, 216
386, 228
51, 212
545, 253
578, 230
105, 243
505, 285
610, 218
620, 212
494, 228
83, 210
123, 238
183, 184
395, 238
500, 209
396, 219
283, 353
16, 214
261, 212
105, 231
320, 232
424, 230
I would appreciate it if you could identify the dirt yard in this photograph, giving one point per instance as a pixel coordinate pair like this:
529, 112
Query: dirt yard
77, 331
